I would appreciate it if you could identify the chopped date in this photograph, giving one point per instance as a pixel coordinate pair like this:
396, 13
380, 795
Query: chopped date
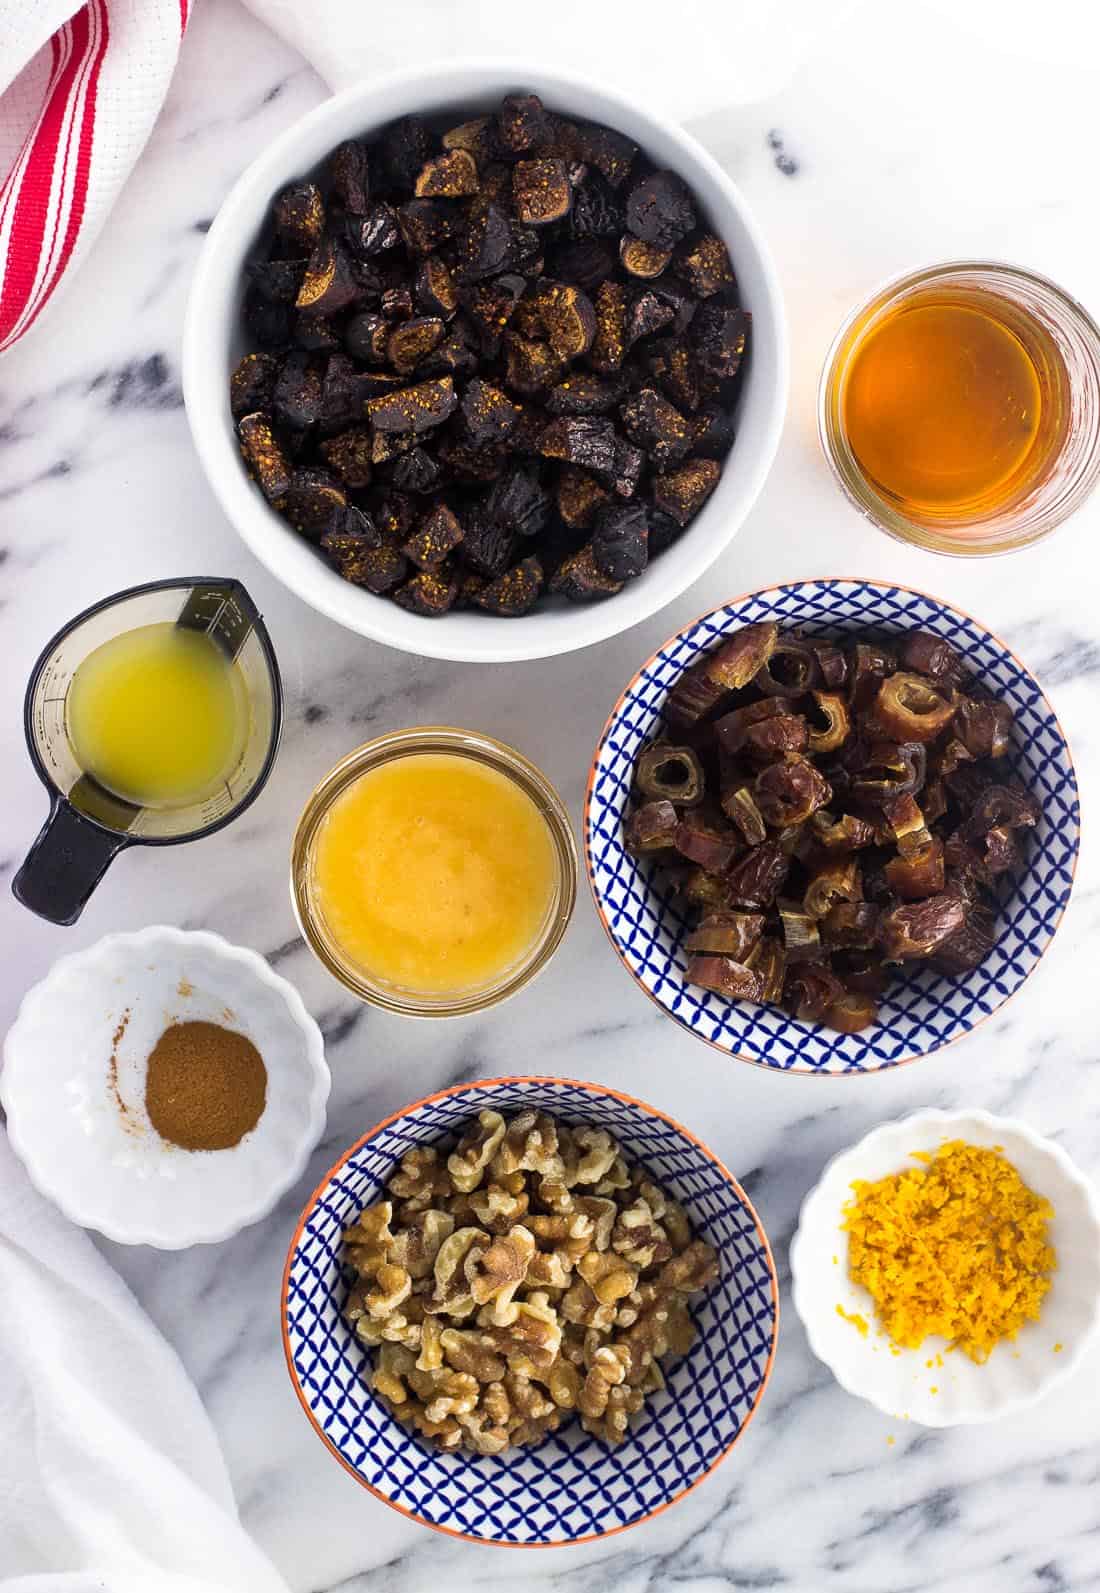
859, 853
513, 325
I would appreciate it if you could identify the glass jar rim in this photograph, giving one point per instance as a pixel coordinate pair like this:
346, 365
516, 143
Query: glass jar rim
854, 484
489, 752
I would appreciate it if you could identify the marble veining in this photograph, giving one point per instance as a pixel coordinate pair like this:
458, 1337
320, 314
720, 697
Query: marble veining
901, 140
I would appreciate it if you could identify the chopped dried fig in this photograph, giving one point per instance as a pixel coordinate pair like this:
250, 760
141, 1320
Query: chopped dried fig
413, 409
706, 266
541, 191
299, 215
620, 541
263, 456
451, 175
515, 592
656, 426
641, 259
580, 581
437, 536
659, 210
683, 492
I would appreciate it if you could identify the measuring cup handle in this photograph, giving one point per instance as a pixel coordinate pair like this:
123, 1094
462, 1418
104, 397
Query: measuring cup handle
67, 861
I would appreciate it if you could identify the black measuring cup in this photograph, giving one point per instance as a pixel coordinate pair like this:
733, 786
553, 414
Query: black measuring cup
87, 825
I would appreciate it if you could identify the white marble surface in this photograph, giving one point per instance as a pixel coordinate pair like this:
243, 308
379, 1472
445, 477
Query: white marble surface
905, 139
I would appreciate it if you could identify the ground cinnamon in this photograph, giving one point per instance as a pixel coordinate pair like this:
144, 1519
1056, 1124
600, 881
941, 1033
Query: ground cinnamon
205, 1086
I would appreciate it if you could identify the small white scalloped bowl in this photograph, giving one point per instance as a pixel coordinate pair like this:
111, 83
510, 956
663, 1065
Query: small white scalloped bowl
953, 1391
107, 1168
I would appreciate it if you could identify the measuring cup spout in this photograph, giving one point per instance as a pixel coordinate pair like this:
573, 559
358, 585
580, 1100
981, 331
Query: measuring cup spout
67, 861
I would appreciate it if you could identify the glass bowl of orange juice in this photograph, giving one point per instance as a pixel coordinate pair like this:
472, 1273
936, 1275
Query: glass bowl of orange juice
434, 871
959, 407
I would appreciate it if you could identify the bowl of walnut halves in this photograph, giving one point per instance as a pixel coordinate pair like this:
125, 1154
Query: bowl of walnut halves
484, 361
831, 826
529, 1311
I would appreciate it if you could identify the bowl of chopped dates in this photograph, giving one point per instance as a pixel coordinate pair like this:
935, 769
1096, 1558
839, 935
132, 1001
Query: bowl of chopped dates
529, 1311
481, 343
831, 826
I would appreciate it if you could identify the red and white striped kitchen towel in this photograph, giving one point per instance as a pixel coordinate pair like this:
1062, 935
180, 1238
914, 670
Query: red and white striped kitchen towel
81, 85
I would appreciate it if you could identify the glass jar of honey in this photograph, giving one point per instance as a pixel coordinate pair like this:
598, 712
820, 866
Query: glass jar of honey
434, 871
960, 407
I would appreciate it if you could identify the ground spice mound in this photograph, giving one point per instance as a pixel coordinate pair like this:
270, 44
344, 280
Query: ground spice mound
205, 1086
957, 1248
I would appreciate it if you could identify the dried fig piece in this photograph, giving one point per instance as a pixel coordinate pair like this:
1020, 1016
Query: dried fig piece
659, 210
610, 152
532, 365
403, 147
277, 281
642, 259
541, 191
656, 426
437, 536
705, 266
712, 432
515, 592
265, 459
788, 793
626, 468
522, 123
380, 569
397, 303
518, 502
918, 929
348, 456
252, 383
583, 393
726, 934
330, 283
373, 232
578, 496
299, 215
487, 413
473, 135
426, 224
349, 175
651, 828
568, 318
620, 541
725, 977
984, 727
908, 708
667, 772
756, 879
314, 502
413, 409
366, 336
416, 471
683, 492
719, 334
579, 579
484, 244
410, 341
609, 345
585, 440
452, 175
646, 313
435, 290
270, 325
585, 264
430, 593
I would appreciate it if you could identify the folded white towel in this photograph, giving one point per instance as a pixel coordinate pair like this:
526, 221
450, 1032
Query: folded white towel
111, 1478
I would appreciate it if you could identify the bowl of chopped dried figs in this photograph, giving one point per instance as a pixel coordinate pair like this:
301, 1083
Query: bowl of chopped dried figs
832, 826
529, 1311
482, 343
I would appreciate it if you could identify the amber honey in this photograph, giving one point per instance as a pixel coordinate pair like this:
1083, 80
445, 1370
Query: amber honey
960, 407
943, 406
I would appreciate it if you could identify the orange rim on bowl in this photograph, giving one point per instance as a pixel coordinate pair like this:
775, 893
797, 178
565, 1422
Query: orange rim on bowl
598, 1091
609, 725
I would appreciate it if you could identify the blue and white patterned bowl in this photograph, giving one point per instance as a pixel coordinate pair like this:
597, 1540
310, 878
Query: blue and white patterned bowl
923, 1010
570, 1487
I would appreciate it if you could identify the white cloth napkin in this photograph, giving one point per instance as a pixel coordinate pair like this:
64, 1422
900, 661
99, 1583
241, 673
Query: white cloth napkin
111, 1478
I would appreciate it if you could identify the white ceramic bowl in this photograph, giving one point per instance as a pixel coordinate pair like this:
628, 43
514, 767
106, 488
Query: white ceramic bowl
956, 1392
212, 344
80, 1127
